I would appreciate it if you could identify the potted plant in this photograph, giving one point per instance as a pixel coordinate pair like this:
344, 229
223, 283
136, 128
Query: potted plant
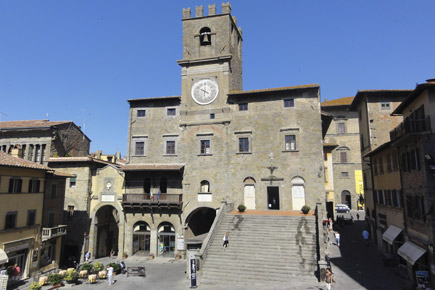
98, 267
241, 207
124, 255
71, 276
116, 268
86, 266
305, 209
55, 279
35, 286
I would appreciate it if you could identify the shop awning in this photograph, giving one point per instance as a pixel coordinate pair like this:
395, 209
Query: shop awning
3, 257
411, 252
391, 234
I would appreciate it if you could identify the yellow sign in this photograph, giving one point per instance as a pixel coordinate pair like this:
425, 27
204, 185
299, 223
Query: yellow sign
359, 185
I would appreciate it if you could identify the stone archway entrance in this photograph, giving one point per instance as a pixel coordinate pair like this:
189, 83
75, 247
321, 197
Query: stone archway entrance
346, 199
166, 239
141, 238
106, 231
199, 222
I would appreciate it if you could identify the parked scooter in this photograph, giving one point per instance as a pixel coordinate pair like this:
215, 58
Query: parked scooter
122, 267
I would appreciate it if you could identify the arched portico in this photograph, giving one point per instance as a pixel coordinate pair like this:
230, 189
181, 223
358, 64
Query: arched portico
199, 221
106, 231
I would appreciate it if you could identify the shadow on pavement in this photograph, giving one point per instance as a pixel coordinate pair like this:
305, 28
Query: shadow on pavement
355, 263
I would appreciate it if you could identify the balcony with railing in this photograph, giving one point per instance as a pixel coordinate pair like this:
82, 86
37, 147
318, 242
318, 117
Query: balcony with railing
409, 126
163, 200
50, 233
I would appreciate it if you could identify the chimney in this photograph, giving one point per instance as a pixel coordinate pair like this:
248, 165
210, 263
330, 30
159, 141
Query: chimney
98, 155
118, 155
17, 151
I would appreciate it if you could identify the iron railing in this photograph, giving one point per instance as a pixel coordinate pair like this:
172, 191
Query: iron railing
410, 126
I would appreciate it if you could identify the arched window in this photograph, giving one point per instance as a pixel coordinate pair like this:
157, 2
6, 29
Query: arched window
205, 36
166, 239
205, 186
147, 185
163, 185
141, 237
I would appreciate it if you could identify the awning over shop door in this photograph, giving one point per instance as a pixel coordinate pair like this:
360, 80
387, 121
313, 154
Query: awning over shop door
3, 257
411, 252
391, 234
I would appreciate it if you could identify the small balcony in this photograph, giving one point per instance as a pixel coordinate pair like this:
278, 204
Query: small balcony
409, 126
163, 200
51, 233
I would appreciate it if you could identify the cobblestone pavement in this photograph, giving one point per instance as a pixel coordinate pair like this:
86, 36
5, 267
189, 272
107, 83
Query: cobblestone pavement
355, 266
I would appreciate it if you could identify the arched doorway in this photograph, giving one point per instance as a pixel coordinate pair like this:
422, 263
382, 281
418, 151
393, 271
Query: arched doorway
106, 225
346, 199
166, 238
141, 238
298, 193
249, 193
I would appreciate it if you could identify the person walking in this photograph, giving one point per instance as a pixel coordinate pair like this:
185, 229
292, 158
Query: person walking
330, 226
110, 274
112, 253
328, 278
226, 240
365, 234
337, 238
357, 216
87, 256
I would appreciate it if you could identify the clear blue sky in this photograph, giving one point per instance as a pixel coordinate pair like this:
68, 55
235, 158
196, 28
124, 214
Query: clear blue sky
82, 59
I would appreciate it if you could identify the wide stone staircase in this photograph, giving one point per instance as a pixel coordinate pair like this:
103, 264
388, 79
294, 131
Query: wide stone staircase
262, 250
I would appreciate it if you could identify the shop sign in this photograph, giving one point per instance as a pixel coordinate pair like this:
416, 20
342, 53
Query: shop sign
180, 243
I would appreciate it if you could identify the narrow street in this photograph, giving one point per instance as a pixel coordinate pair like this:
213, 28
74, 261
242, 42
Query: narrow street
357, 266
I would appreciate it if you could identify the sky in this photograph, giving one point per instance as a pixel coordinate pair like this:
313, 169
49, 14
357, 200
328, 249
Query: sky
81, 60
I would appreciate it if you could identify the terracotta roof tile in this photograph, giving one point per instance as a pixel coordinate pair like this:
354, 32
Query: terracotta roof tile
154, 166
30, 124
154, 98
275, 89
346, 101
9, 160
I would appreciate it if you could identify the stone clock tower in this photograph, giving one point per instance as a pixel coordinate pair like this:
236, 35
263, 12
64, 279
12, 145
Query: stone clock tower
211, 66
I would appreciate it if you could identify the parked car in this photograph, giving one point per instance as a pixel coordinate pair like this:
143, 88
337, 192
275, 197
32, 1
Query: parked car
340, 208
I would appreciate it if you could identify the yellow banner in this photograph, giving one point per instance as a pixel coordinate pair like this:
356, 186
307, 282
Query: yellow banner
359, 185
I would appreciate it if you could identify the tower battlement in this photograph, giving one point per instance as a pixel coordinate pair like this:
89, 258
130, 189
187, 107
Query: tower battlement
199, 10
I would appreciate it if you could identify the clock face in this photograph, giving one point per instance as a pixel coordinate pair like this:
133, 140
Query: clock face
205, 91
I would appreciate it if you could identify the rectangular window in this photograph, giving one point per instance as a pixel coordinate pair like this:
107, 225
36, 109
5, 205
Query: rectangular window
389, 162
343, 157
70, 211
409, 208
212, 116
141, 113
398, 198
381, 165
290, 142
170, 147
139, 148
11, 220
344, 174
34, 185
15, 185
243, 145
53, 192
51, 217
171, 112
243, 107
385, 106
205, 147
375, 166
341, 128
416, 159
395, 165
393, 198
289, 103
72, 181
31, 217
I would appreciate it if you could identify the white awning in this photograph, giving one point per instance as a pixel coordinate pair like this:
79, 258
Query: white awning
411, 252
391, 234
3, 257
